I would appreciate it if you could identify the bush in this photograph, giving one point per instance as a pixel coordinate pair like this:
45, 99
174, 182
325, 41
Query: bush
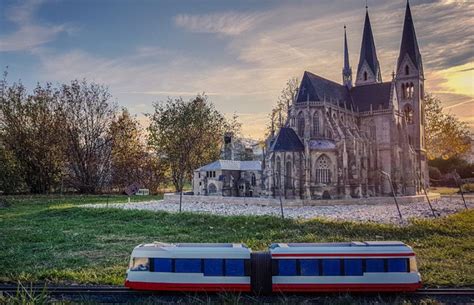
435, 173
468, 187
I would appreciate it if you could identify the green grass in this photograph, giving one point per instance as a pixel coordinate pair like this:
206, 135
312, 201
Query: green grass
47, 238
444, 190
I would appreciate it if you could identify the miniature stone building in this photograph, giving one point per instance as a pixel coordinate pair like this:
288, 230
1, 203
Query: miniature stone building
339, 138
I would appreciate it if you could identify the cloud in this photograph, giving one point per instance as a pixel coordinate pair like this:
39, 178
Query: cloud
229, 24
268, 48
29, 34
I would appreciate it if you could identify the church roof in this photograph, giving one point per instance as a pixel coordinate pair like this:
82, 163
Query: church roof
287, 140
376, 94
367, 50
232, 166
409, 43
317, 88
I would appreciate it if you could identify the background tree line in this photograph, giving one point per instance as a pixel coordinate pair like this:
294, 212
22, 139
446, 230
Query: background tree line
72, 137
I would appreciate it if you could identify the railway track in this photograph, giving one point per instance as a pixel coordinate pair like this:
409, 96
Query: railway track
123, 291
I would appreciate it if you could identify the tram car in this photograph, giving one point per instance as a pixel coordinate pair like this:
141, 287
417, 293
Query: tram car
357, 266
189, 267
372, 266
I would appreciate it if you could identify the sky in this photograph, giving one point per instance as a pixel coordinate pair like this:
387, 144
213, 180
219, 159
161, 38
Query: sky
240, 53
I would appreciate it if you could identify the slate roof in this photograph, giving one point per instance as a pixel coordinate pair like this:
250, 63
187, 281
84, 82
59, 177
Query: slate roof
376, 94
317, 88
409, 42
322, 144
287, 140
232, 165
367, 49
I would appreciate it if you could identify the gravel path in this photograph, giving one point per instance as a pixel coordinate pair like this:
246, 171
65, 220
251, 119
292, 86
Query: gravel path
385, 212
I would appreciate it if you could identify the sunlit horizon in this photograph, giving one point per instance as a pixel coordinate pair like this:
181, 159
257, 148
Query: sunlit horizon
239, 54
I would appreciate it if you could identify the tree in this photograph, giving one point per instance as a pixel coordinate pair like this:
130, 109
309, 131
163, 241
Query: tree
31, 135
131, 162
127, 150
279, 113
186, 135
88, 115
11, 176
446, 136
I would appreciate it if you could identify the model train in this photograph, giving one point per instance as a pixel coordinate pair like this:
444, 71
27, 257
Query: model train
372, 266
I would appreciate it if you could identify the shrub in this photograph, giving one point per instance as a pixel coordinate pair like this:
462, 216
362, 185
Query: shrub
435, 173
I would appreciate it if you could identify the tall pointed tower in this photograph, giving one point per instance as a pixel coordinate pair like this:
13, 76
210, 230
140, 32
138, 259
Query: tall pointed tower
410, 91
347, 70
368, 71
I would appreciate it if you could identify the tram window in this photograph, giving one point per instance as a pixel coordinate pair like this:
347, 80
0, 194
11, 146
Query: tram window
213, 267
397, 265
353, 267
161, 265
234, 267
331, 267
309, 267
187, 265
287, 267
140, 264
375, 265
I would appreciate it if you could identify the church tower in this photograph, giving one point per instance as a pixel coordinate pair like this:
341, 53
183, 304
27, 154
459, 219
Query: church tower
410, 90
347, 70
368, 71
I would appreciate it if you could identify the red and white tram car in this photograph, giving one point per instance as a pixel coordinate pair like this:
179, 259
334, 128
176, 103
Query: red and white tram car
189, 267
357, 266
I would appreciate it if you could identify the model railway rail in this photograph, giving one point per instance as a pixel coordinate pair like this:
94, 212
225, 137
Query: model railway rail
111, 290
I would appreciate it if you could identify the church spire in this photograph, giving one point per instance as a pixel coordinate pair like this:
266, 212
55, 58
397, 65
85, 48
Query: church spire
347, 70
368, 71
409, 45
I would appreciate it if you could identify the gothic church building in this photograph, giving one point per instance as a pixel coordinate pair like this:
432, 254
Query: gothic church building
346, 140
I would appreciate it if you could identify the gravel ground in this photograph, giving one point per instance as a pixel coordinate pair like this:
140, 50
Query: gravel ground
385, 212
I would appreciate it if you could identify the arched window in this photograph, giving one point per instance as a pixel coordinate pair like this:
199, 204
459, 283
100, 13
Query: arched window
278, 172
316, 124
365, 75
412, 90
212, 190
404, 93
407, 70
373, 131
328, 134
288, 175
408, 112
301, 124
323, 170
422, 119
254, 180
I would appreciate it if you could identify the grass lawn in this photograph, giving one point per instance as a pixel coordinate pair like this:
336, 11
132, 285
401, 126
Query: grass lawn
444, 190
45, 238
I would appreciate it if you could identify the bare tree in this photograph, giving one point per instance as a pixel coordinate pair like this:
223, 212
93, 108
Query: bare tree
87, 114
279, 113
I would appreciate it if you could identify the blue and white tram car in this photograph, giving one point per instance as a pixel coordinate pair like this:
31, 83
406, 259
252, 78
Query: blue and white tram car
189, 267
355, 266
